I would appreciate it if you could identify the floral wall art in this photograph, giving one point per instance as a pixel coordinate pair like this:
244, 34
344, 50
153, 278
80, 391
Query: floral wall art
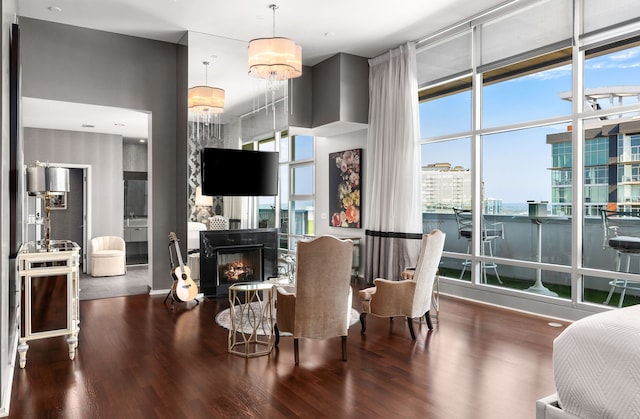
344, 188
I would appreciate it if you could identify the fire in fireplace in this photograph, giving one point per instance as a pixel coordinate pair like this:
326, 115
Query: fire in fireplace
239, 264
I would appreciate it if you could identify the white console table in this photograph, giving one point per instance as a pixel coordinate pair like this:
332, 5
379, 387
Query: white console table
49, 284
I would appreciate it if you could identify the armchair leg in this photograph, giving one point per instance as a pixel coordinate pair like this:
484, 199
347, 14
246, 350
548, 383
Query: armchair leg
296, 356
276, 332
410, 323
344, 348
427, 317
363, 323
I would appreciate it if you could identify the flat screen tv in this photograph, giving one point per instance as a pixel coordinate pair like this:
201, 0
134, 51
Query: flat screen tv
227, 172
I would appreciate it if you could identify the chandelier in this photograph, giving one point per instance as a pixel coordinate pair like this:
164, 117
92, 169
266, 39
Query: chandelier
275, 58
205, 98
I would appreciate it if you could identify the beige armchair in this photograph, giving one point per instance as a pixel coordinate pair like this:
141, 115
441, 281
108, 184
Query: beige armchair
320, 305
412, 297
108, 256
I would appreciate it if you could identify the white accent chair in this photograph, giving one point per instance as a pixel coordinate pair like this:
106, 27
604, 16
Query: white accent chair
108, 256
410, 298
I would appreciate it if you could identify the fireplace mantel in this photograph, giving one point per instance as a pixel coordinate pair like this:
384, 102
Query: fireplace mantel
213, 243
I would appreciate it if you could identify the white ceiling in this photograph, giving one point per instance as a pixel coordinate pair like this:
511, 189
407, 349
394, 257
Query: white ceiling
219, 32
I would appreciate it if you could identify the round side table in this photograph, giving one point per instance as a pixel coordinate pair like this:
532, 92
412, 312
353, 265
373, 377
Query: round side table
251, 312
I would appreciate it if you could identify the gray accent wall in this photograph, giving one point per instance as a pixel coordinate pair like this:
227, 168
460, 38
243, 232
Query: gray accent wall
68, 63
341, 90
103, 152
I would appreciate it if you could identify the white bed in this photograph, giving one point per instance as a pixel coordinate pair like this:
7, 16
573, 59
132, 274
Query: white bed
596, 367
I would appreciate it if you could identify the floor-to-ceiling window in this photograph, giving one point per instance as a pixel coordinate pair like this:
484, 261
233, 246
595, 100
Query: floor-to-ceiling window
294, 207
504, 140
297, 194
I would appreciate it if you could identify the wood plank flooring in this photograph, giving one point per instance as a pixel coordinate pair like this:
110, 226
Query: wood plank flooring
138, 359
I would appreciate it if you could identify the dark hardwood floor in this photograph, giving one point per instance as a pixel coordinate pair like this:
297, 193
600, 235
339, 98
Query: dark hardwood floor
138, 359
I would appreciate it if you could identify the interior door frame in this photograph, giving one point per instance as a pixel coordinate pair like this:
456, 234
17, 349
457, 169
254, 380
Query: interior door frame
86, 207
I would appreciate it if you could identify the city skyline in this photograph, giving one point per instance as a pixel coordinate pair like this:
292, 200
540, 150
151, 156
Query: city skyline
538, 97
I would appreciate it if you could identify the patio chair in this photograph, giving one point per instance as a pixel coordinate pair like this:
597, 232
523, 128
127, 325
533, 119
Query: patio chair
490, 233
621, 232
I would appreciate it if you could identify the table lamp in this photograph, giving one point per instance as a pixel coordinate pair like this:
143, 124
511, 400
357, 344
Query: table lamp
44, 181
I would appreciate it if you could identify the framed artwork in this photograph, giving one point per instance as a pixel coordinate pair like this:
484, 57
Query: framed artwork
345, 182
59, 201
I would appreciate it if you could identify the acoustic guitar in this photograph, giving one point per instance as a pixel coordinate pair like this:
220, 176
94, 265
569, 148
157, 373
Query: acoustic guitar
183, 288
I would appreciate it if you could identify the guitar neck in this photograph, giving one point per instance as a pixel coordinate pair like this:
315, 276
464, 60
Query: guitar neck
174, 239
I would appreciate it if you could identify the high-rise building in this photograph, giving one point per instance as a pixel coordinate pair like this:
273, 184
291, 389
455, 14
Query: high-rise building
611, 158
444, 187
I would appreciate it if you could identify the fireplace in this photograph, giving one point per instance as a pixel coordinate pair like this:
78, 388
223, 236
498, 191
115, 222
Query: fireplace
238, 264
232, 256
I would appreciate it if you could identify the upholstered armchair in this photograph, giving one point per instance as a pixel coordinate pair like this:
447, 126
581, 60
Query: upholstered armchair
320, 305
108, 256
410, 298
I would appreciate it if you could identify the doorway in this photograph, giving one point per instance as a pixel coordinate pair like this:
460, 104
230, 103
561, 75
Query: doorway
69, 221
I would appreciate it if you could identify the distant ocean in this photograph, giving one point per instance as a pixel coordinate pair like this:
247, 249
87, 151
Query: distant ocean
519, 208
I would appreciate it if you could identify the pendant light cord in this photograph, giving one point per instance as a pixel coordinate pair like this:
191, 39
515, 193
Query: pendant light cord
274, 7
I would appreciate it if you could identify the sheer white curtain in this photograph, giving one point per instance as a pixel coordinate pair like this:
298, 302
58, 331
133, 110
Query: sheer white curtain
393, 219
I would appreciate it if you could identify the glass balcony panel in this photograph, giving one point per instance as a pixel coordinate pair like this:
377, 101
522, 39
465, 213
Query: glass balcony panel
534, 281
597, 290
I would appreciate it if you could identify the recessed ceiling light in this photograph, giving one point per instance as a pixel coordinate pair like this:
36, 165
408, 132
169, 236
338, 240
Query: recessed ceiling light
118, 124
142, 140
88, 126
54, 9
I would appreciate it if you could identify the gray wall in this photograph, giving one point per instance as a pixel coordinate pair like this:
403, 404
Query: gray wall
340, 90
61, 62
103, 152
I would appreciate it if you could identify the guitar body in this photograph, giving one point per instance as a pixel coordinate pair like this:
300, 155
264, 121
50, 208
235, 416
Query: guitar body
183, 288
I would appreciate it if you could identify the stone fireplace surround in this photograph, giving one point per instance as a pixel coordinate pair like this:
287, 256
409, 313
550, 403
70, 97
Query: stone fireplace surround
217, 245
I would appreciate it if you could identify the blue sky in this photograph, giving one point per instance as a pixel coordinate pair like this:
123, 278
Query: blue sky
523, 155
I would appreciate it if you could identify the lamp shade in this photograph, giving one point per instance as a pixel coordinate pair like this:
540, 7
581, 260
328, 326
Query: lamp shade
206, 99
275, 59
42, 179
203, 200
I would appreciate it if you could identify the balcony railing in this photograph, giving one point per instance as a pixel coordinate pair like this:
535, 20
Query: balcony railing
520, 245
